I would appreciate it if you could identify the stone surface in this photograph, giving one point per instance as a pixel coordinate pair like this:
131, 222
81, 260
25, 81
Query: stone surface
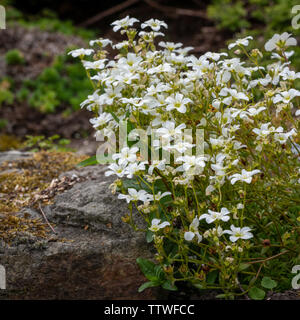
92, 256
14, 155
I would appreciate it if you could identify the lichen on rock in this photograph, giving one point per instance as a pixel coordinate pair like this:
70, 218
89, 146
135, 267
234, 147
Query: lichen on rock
26, 180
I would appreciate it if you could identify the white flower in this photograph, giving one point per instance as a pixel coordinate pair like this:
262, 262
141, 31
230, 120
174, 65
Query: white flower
254, 112
239, 233
240, 42
123, 23
99, 64
233, 94
279, 41
103, 119
149, 36
159, 195
133, 168
169, 131
288, 74
193, 231
190, 162
122, 44
154, 24
111, 93
264, 130
240, 206
180, 146
288, 54
246, 176
81, 52
215, 56
209, 190
159, 164
215, 232
178, 102
101, 42
126, 155
119, 170
286, 96
283, 137
162, 68
126, 77
213, 215
171, 46
156, 225
131, 60
134, 195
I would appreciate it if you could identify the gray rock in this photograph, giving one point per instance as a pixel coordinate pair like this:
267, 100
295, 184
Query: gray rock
92, 256
90, 204
14, 155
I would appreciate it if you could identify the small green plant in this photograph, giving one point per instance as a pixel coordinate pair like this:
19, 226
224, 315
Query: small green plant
230, 15
53, 143
64, 84
3, 123
257, 18
6, 95
14, 57
22, 94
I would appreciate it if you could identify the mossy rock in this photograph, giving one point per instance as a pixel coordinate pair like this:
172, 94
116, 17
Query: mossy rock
21, 183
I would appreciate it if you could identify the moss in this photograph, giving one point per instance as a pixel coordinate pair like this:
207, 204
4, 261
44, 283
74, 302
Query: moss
20, 184
12, 226
28, 177
14, 57
8, 142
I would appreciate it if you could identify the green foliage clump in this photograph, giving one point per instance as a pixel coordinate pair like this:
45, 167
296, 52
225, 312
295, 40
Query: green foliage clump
46, 20
14, 57
270, 16
258, 18
63, 83
6, 95
53, 143
65, 27
229, 15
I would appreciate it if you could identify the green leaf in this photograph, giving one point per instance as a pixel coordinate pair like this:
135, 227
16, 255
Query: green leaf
132, 183
148, 268
114, 116
159, 273
148, 284
244, 266
168, 285
264, 250
225, 296
88, 162
256, 293
212, 276
149, 236
198, 286
268, 283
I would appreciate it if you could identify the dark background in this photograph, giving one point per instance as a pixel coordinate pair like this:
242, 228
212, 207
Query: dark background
198, 31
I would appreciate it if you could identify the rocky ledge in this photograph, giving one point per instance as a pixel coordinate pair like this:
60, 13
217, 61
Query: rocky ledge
92, 255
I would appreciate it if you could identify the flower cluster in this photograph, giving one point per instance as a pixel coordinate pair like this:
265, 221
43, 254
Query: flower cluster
200, 207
